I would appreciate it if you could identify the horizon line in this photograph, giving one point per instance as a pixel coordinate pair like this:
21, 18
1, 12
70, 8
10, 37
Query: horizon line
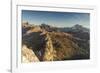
55, 26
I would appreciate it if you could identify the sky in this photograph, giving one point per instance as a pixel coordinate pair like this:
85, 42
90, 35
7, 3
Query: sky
57, 19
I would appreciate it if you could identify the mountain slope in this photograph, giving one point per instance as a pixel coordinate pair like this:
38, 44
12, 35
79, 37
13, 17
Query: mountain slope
50, 44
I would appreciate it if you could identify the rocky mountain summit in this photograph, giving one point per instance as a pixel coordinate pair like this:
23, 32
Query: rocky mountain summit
46, 43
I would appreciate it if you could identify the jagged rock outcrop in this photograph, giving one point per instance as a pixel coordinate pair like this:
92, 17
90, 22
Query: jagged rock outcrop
28, 55
49, 50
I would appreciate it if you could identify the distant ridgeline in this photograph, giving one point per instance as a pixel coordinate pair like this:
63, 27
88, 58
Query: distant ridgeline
50, 43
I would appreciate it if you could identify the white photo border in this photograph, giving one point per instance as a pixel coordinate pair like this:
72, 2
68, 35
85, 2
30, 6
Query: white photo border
17, 66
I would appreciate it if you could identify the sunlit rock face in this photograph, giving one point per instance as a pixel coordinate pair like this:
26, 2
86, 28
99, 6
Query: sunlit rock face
28, 55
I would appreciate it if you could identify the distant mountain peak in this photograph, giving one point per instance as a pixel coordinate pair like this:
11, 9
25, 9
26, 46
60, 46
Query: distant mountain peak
77, 26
